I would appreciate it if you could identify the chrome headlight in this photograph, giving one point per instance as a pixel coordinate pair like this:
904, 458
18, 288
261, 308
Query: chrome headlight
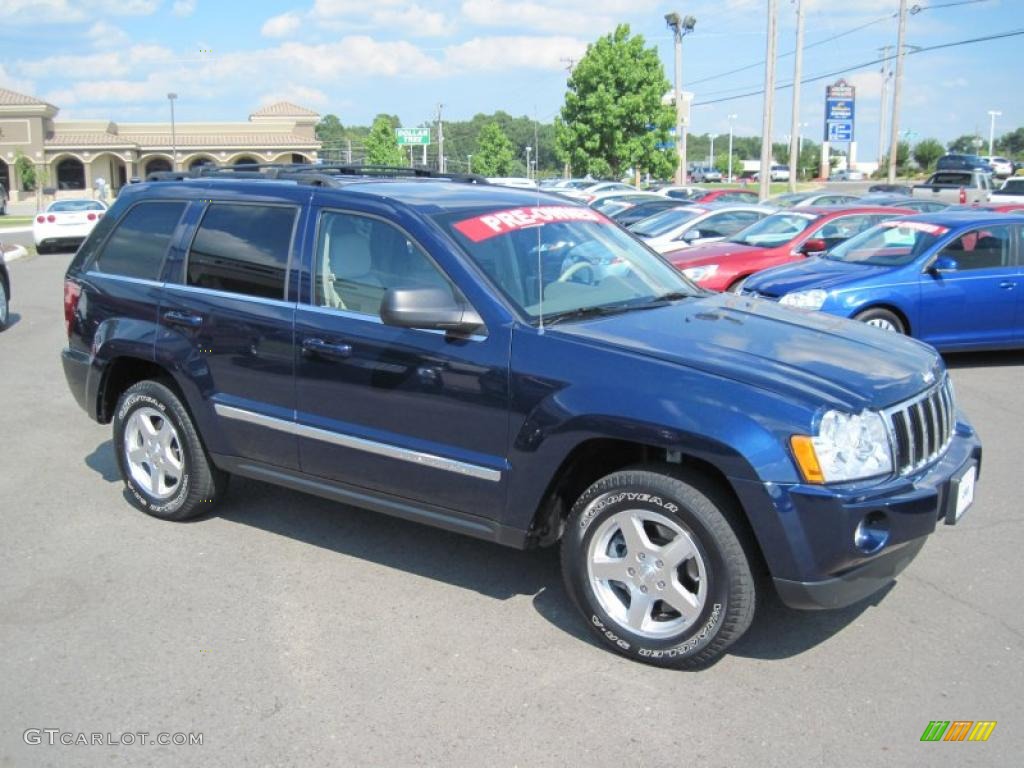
846, 447
812, 299
700, 273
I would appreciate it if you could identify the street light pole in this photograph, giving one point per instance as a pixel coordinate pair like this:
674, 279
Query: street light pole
680, 26
794, 134
731, 118
174, 139
469, 163
711, 150
894, 128
992, 114
765, 172
528, 149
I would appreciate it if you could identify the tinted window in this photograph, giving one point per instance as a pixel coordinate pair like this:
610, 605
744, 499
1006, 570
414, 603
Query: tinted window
726, 223
359, 258
987, 248
73, 206
242, 249
139, 243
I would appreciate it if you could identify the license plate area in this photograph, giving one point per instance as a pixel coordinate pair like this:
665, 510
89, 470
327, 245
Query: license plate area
961, 493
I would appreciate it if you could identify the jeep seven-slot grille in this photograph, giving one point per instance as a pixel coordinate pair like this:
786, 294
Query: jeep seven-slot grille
922, 428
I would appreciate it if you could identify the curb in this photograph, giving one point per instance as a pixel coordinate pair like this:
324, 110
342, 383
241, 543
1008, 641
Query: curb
19, 252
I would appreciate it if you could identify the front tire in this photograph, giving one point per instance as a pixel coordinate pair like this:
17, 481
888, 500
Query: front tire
882, 319
5, 307
656, 568
161, 459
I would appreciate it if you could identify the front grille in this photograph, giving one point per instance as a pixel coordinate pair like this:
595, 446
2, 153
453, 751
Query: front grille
922, 428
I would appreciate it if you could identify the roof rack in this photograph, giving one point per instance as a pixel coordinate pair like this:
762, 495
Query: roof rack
316, 174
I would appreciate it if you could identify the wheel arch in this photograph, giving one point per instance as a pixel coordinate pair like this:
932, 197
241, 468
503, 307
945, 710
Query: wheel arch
888, 307
122, 372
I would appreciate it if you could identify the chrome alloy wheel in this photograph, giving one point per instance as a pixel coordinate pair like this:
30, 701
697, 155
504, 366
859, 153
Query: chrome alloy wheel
153, 454
881, 322
647, 573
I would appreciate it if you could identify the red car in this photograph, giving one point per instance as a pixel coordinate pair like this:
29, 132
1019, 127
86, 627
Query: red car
780, 238
728, 195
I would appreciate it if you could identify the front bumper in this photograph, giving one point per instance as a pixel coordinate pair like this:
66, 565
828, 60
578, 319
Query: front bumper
808, 531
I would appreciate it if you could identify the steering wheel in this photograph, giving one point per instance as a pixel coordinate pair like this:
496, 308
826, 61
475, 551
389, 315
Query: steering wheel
577, 267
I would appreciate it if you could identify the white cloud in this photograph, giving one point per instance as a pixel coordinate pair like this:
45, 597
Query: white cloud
281, 26
868, 84
104, 35
183, 7
553, 15
358, 54
107, 63
21, 85
490, 53
39, 12
411, 18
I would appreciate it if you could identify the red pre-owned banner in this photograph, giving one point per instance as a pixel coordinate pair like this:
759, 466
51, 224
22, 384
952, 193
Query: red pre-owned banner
501, 222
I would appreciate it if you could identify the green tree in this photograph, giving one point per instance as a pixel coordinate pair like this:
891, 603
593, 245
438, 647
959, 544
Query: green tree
613, 118
382, 145
1012, 143
26, 171
966, 144
330, 129
926, 152
495, 155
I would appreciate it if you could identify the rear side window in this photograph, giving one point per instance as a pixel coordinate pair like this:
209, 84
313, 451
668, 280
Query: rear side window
242, 249
139, 242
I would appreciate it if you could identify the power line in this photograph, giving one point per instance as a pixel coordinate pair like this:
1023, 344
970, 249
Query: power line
855, 67
915, 9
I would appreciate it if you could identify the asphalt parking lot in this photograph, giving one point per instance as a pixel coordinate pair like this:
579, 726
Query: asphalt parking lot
292, 631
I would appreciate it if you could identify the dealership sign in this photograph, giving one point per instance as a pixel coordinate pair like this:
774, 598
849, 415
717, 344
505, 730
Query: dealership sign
839, 112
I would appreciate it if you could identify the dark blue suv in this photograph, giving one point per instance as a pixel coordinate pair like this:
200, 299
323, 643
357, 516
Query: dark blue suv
511, 366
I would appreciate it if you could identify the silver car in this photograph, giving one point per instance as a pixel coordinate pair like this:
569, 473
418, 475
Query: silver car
695, 224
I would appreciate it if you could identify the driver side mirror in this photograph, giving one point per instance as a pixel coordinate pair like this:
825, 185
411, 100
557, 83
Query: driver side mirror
691, 235
429, 309
814, 245
944, 264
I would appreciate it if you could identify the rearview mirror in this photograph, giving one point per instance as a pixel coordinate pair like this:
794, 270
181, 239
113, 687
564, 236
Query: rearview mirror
429, 309
691, 235
814, 245
944, 264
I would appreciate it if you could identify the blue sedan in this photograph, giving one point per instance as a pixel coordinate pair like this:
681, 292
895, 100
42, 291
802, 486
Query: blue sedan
954, 280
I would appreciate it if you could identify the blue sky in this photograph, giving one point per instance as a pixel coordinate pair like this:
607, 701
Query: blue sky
117, 59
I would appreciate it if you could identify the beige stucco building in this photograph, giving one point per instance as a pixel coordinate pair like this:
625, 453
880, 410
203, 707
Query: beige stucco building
71, 154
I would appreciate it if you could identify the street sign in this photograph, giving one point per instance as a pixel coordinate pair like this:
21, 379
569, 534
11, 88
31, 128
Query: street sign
839, 111
415, 136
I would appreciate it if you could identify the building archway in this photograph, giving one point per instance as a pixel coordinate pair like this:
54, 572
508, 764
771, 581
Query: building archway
156, 165
244, 160
200, 162
293, 157
70, 174
5, 176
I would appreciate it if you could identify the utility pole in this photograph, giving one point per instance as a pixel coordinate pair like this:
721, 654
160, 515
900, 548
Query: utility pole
174, 139
794, 134
528, 148
886, 77
680, 26
765, 173
894, 129
711, 150
440, 140
993, 114
469, 163
536, 142
348, 151
731, 118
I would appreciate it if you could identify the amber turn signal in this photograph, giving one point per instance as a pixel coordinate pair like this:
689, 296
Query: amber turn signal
806, 459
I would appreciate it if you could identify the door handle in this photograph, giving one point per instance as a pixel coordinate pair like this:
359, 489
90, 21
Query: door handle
322, 348
1008, 285
183, 318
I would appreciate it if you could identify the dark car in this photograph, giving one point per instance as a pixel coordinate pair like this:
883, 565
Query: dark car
960, 162
5, 293
403, 345
642, 210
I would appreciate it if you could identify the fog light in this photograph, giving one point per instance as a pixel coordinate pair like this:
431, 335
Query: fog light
872, 533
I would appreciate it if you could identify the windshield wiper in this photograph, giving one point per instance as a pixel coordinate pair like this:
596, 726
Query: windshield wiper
615, 309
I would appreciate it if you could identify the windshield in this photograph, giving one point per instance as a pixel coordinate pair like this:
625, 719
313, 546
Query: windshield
665, 221
1011, 187
787, 201
776, 229
558, 260
889, 244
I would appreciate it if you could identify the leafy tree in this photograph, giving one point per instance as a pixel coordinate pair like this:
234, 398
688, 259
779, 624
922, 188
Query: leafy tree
330, 129
26, 171
926, 152
966, 144
382, 145
495, 155
613, 118
1012, 143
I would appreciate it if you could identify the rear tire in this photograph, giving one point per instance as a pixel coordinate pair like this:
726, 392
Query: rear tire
882, 319
5, 307
161, 459
655, 566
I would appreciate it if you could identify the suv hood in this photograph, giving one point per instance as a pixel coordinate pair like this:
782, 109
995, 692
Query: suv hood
826, 274
819, 359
